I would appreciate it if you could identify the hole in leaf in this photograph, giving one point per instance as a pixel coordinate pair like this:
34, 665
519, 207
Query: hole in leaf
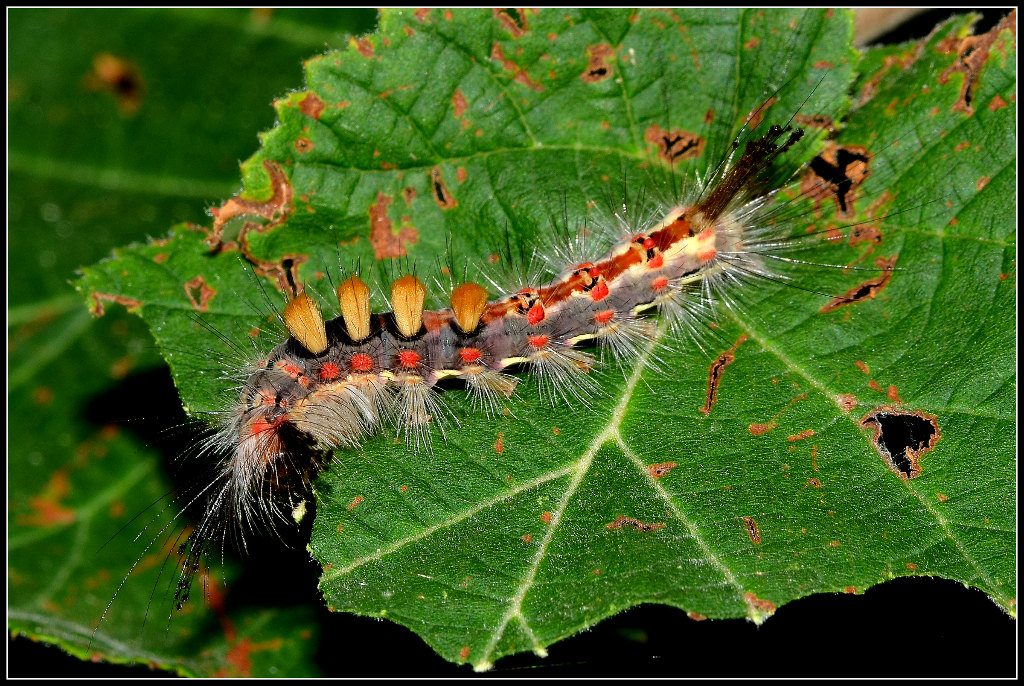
902, 438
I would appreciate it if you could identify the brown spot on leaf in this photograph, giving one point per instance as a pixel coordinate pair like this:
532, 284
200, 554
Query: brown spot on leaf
834, 544
942, 497
865, 233
902, 61
621, 522
752, 43
996, 103
527, 538
303, 144
118, 77
513, 21
846, 402
422, 15
752, 530
715, 374
546, 517
355, 502
971, 55
363, 45
893, 394
518, 74
696, 616
42, 395
98, 298
815, 121
758, 429
867, 289
598, 68
312, 105
661, 469
759, 605
45, 509
464, 653
385, 243
863, 367
813, 481
459, 103
911, 566
674, 145
757, 116
836, 174
982, 182
499, 445
801, 436
276, 209
851, 590
199, 293
444, 199
902, 438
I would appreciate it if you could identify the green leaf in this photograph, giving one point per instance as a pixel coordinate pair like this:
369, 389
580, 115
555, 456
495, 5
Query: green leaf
518, 532
88, 171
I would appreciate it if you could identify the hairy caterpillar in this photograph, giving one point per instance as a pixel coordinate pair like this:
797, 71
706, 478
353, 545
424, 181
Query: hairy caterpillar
347, 426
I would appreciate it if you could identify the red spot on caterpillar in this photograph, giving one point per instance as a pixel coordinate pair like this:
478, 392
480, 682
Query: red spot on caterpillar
598, 68
674, 145
537, 341
801, 436
621, 521
657, 262
661, 469
604, 316
289, 368
868, 289
361, 362
752, 530
519, 75
408, 358
600, 291
199, 293
312, 105
659, 283
706, 255
758, 604
385, 243
758, 429
355, 502
546, 518
536, 314
469, 355
499, 445
329, 372
715, 374
261, 425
